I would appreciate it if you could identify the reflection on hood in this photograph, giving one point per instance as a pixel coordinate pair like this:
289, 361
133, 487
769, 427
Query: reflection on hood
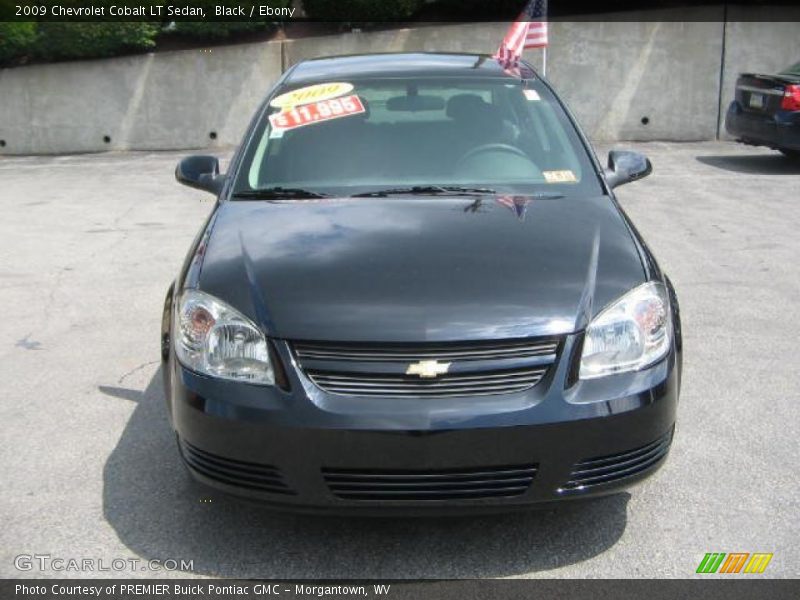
420, 269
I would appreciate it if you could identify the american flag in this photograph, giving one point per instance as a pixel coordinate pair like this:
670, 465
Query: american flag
517, 204
528, 31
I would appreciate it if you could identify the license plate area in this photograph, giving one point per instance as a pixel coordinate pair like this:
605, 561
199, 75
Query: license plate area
756, 101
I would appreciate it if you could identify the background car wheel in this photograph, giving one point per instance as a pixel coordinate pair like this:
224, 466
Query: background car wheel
795, 154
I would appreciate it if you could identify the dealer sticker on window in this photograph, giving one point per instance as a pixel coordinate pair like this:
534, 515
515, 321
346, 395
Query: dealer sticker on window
531, 95
317, 112
311, 93
559, 176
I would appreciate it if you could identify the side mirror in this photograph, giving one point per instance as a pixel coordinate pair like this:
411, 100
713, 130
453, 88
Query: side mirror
625, 166
201, 172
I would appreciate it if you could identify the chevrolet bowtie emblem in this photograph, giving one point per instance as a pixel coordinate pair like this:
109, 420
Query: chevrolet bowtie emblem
427, 369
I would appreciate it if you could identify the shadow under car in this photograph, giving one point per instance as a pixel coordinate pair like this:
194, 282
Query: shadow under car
159, 512
757, 164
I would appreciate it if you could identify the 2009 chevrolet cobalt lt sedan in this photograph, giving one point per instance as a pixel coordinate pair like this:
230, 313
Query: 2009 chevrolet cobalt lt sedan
417, 292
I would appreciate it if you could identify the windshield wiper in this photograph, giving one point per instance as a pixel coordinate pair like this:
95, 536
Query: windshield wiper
274, 193
541, 196
427, 190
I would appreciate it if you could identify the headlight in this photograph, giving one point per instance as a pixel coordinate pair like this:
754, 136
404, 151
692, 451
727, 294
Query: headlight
214, 339
629, 335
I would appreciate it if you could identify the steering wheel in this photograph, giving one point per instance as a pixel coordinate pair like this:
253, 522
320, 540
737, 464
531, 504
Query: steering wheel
507, 148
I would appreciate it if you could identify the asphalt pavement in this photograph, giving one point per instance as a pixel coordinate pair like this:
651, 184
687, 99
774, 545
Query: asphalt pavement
89, 467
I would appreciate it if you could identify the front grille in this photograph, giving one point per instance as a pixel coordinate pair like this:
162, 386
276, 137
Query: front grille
476, 368
462, 484
254, 476
414, 352
593, 472
497, 382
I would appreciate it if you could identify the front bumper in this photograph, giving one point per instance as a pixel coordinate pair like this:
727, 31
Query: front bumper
310, 450
779, 131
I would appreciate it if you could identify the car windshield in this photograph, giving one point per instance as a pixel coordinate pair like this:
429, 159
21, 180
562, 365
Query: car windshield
415, 135
793, 71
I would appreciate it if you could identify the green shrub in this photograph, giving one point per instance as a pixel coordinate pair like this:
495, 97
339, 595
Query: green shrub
206, 30
93, 40
496, 10
16, 40
222, 29
361, 10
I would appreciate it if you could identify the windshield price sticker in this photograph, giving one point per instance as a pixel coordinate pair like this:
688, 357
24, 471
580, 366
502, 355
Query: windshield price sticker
324, 110
311, 93
559, 177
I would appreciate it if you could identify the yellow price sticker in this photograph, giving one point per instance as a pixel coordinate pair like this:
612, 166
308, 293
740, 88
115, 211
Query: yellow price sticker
310, 93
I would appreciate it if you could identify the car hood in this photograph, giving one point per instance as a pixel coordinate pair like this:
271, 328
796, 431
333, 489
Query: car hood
420, 269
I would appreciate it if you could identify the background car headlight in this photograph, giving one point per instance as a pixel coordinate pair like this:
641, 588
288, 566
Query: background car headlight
215, 339
632, 333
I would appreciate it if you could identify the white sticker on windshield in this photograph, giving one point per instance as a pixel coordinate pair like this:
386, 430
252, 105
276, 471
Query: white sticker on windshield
531, 95
560, 176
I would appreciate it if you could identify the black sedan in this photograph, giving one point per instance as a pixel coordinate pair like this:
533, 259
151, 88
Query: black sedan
416, 292
766, 111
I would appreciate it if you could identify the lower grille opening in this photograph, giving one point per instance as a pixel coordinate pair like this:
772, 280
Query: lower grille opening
400, 485
597, 471
254, 476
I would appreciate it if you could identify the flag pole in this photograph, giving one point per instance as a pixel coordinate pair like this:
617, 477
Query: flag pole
544, 62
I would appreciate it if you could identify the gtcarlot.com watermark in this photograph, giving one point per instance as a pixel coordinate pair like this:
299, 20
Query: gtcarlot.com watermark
62, 564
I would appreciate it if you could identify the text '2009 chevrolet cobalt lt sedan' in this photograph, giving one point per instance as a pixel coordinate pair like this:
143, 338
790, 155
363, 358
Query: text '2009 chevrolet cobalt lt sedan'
417, 292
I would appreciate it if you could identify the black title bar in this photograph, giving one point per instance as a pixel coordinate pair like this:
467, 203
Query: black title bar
283, 11
734, 588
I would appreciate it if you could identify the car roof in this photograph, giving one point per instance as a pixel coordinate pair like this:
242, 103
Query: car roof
396, 64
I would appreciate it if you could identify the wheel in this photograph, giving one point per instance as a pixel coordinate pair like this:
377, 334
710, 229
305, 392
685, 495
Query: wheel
795, 154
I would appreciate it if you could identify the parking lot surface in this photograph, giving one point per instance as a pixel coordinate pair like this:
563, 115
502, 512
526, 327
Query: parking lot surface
89, 467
